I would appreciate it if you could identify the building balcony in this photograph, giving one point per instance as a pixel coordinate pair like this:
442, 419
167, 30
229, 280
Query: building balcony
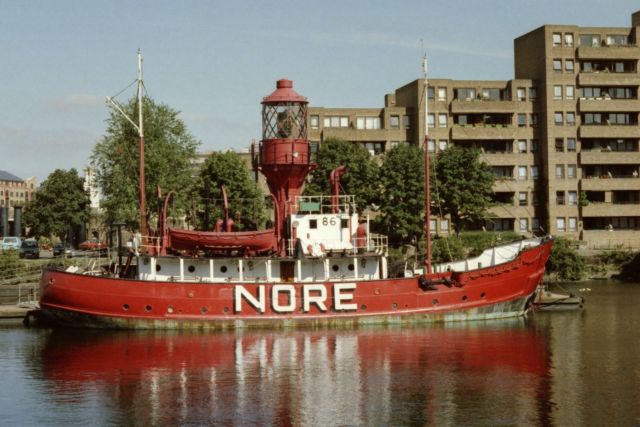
611, 209
512, 185
609, 52
609, 131
608, 105
608, 79
484, 106
609, 184
507, 158
599, 157
489, 132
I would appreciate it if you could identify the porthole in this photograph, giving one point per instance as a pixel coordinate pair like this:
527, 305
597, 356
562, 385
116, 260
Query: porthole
170, 309
203, 310
394, 306
434, 302
158, 267
125, 307
464, 298
335, 267
191, 269
145, 260
350, 267
363, 307
147, 308
482, 295
223, 269
226, 310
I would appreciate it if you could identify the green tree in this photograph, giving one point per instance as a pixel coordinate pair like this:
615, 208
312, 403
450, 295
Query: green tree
360, 179
402, 198
246, 201
169, 150
565, 261
463, 184
60, 204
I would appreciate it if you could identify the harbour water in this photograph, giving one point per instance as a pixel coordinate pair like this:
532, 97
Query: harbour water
553, 368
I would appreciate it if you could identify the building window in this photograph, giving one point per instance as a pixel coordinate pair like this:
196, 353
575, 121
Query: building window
533, 94
394, 122
430, 93
431, 120
569, 91
557, 64
368, 123
559, 145
617, 40
571, 118
569, 65
336, 122
406, 122
572, 197
568, 39
464, 94
558, 118
522, 146
535, 224
523, 224
559, 171
432, 225
559, 197
315, 122
573, 223
557, 92
572, 171
442, 94
522, 120
571, 144
374, 148
533, 120
534, 145
560, 224
522, 172
589, 40
443, 144
442, 120
534, 172
444, 225
557, 39
432, 146
523, 199
520, 94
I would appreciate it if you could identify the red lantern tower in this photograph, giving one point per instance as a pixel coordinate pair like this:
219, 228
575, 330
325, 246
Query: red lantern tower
284, 150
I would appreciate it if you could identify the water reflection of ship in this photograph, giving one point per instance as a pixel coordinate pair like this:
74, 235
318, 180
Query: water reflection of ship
377, 376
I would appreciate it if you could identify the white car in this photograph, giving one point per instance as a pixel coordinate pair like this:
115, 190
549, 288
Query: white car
10, 243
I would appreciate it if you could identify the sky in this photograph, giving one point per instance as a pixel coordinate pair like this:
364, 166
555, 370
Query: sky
214, 61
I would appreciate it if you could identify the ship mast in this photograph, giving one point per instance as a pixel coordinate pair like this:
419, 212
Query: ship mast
139, 127
427, 199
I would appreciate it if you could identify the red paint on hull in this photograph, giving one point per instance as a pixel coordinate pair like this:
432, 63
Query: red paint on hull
492, 292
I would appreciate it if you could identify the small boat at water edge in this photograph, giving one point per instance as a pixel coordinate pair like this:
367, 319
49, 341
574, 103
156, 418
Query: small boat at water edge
319, 266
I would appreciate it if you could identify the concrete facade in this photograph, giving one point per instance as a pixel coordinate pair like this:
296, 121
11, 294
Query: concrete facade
562, 137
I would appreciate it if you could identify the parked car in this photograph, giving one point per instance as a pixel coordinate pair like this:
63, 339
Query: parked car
92, 245
59, 248
29, 249
10, 243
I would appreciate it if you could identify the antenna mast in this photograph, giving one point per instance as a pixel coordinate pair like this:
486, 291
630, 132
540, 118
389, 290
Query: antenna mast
427, 198
139, 127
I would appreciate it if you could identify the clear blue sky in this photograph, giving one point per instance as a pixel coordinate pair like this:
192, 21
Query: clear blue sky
215, 60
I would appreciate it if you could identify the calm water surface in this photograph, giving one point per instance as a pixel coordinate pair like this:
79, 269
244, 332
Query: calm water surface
561, 368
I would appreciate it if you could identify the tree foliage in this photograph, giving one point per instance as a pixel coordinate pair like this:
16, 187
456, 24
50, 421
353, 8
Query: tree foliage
463, 184
565, 261
169, 149
402, 197
246, 201
360, 179
60, 204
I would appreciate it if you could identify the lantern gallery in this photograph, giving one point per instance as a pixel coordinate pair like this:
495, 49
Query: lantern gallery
283, 298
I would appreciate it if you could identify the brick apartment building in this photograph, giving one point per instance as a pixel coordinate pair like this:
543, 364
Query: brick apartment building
562, 137
14, 192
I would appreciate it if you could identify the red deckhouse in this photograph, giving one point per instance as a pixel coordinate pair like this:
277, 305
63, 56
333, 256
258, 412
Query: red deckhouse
320, 264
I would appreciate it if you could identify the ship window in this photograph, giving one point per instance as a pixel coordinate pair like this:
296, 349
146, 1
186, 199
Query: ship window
191, 269
313, 223
125, 307
482, 295
344, 223
158, 267
223, 269
147, 308
335, 267
350, 267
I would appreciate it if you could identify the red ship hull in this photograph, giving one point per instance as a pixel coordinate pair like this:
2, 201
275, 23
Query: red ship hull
499, 291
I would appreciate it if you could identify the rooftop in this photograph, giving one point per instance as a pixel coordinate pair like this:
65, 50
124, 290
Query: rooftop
6, 176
